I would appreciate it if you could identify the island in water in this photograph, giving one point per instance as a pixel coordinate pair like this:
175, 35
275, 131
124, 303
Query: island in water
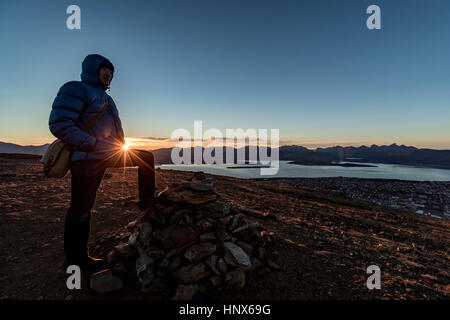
343, 164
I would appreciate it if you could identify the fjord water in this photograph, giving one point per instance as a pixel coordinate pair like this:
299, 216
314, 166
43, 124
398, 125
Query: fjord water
287, 170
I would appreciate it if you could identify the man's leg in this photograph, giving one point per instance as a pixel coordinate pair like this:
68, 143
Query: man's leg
86, 178
146, 174
145, 162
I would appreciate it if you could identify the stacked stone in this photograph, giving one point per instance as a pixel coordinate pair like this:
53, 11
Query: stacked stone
189, 242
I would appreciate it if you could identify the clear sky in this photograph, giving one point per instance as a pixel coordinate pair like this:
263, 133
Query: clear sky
310, 68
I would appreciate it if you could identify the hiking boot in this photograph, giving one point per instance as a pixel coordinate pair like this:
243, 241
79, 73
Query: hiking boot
93, 264
89, 264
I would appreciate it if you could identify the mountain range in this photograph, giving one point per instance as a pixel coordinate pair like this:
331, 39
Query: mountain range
390, 154
6, 147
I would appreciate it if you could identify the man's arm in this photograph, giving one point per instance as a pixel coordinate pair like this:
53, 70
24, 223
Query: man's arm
121, 133
66, 109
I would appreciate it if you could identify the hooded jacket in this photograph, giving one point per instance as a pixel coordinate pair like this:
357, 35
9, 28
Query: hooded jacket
79, 101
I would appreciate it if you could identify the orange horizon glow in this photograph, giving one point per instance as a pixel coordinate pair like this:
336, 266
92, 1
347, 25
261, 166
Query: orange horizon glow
158, 143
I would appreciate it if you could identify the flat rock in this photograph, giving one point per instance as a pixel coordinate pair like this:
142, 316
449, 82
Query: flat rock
206, 184
185, 292
104, 281
125, 251
238, 223
199, 251
235, 279
191, 273
187, 195
209, 236
238, 254
216, 209
175, 236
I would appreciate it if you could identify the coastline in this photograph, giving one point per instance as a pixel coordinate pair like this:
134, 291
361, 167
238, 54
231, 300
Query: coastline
429, 198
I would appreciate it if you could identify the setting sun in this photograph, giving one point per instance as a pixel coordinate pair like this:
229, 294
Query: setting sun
126, 146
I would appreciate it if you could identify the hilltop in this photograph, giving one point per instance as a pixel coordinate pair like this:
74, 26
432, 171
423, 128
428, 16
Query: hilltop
325, 241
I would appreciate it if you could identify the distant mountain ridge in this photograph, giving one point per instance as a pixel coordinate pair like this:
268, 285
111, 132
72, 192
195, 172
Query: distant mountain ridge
6, 147
390, 154
393, 154
366, 152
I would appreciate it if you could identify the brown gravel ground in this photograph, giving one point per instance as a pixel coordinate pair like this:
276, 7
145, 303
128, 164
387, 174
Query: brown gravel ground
326, 242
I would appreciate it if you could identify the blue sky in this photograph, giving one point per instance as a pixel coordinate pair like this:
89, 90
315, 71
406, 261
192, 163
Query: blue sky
310, 68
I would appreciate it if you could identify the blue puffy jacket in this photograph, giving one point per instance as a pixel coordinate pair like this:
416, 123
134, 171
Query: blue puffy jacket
75, 104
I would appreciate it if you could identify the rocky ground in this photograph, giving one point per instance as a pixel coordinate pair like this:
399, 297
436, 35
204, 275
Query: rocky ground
324, 242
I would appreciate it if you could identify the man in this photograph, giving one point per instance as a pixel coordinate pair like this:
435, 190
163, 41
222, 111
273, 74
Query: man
93, 151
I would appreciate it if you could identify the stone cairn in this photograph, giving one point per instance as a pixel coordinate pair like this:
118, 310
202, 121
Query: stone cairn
188, 243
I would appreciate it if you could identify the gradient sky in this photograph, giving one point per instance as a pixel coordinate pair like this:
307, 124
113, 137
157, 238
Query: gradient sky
310, 68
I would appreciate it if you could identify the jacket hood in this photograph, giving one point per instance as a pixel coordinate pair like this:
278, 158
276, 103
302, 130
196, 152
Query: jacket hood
89, 70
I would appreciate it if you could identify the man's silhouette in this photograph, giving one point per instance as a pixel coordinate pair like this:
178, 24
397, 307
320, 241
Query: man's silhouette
93, 151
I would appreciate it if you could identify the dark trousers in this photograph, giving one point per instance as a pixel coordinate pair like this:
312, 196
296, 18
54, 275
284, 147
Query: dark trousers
86, 178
